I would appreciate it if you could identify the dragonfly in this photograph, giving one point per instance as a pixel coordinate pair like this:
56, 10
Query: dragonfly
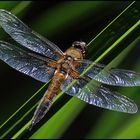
45, 61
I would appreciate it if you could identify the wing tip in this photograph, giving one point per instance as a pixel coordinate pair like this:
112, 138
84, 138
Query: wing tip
4, 10
134, 109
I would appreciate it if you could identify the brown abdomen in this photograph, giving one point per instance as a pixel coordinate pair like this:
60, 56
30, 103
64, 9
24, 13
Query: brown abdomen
54, 86
47, 99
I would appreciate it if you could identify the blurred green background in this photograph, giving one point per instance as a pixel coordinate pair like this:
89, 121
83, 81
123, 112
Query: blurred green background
113, 28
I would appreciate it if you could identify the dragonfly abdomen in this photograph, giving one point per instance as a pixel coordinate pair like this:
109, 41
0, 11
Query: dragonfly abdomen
48, 97
54, 87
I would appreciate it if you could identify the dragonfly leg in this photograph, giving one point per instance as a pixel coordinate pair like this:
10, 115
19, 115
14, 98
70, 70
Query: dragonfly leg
74, 74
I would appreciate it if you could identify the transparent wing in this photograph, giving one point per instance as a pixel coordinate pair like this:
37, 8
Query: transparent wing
27, 37
116, 77
25, 62
99, 96
74, 89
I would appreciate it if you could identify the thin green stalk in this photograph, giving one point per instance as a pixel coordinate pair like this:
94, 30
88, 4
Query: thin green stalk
20, 7
113, 45
125, 132
23, 105
19, 122
111, 22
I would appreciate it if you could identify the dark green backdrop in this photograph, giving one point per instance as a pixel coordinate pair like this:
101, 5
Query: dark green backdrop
63, 23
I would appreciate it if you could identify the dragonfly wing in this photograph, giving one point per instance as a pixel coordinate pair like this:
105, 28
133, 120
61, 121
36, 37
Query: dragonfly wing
71, 90
27, 37
116, 77
25, 62
100, 96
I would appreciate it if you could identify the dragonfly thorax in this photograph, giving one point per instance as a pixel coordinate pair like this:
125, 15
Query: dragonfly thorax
77, 50
67, 63
74, 53
68, 58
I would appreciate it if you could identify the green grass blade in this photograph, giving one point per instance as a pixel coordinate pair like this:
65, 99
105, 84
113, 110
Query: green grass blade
21, 6
127, 131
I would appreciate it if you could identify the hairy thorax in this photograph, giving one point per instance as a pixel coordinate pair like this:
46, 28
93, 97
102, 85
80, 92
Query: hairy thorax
75, 53
67, 64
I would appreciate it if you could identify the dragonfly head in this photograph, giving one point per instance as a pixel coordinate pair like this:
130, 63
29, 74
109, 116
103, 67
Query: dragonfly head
80, 45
